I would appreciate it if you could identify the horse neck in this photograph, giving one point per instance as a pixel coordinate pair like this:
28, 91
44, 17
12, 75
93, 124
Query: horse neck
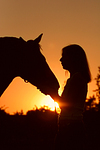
4, 83
6, 76
9, 57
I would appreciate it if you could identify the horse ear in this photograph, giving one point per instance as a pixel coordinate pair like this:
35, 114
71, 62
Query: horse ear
38, 39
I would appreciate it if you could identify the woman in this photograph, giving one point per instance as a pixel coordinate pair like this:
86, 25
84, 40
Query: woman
71, 129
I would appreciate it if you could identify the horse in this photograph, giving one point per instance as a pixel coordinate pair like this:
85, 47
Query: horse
24, 58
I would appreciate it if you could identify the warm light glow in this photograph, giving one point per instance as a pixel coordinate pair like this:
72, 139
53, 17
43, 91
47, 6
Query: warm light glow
50, 103
60, 90
57, 33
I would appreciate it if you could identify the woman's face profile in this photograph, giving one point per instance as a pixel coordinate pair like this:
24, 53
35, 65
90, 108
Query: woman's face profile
65, 61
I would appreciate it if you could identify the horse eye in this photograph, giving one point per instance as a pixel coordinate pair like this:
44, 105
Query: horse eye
26, 80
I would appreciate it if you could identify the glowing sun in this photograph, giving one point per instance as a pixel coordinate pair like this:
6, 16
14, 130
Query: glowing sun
51, 104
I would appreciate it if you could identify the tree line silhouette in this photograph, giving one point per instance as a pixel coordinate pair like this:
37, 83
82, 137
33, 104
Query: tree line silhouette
35, 130
38, 128
93, 102
91, 116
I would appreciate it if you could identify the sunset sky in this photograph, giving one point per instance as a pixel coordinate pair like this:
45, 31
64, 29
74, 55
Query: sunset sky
62, 22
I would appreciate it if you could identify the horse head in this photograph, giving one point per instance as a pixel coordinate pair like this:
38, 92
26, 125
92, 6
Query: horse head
24, 58
34, 68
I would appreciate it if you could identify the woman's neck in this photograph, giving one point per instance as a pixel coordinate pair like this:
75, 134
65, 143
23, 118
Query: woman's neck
72, 72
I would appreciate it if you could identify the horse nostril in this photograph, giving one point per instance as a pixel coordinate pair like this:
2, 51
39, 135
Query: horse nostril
26, 80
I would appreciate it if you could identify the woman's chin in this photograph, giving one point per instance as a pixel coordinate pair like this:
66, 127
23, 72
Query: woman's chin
64, 67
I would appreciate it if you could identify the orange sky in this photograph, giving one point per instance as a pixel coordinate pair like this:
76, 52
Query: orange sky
62, 22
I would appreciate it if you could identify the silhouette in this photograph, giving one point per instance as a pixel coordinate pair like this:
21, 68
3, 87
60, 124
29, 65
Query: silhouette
35, 130
98, 85
24, 58
71, 128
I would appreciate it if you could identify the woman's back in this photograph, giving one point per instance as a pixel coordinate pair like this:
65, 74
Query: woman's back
73, 97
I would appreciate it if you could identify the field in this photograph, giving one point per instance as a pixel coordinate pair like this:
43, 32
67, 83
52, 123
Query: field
38, 128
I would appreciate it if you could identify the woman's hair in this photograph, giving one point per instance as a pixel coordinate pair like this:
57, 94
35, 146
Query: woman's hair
78, 59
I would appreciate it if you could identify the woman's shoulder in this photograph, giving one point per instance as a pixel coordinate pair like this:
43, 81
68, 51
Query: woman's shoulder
78, 78
78, 75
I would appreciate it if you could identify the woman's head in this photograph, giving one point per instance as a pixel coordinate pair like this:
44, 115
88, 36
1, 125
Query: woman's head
74, 59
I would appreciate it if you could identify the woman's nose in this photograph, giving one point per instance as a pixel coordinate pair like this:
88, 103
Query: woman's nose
61, 59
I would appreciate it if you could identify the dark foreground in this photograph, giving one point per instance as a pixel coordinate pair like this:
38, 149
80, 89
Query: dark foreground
38, 128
